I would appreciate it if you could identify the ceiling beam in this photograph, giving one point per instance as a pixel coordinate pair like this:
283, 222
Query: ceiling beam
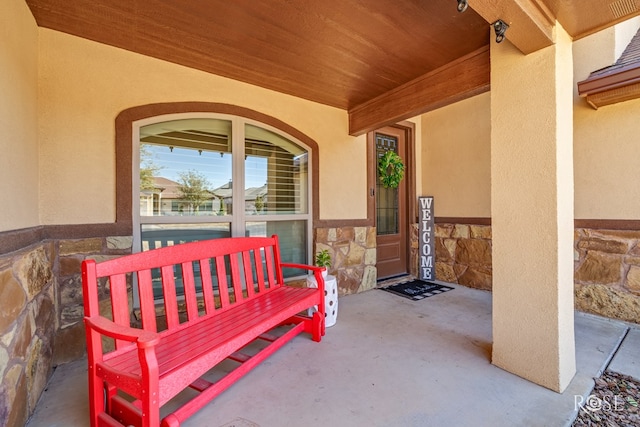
531, 23
458, 80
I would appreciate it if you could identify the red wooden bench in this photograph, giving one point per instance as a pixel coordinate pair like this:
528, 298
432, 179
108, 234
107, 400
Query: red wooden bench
234, 294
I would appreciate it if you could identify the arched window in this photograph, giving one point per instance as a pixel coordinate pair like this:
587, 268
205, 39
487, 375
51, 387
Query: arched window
201, 176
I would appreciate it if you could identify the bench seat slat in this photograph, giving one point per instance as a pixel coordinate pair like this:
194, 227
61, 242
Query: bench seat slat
228, 322
199, 347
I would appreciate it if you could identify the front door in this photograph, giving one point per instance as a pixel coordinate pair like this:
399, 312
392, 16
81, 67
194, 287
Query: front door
391, 208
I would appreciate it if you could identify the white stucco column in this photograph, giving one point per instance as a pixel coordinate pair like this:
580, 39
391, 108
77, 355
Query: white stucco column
532, 211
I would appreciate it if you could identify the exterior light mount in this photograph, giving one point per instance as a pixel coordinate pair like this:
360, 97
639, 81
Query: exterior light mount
500, 27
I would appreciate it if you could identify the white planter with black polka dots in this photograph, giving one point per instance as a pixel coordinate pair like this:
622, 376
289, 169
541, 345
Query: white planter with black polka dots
330, 298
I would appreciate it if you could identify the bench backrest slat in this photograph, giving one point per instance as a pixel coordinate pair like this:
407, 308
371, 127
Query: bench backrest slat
207, 286
248, 273
193, 280
278, 261
270, 270
189, 290
145, 291
120, 311
169, 294
223, 286
235, 277
257, 255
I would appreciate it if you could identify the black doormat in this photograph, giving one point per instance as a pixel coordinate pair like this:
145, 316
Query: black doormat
416, 289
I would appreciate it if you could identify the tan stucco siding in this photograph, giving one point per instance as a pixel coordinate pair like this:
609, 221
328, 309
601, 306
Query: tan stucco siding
83, 87
456, 158
456, 145
607, 140
18, 116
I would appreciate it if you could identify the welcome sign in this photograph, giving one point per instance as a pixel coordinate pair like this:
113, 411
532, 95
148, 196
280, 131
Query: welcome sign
426, 245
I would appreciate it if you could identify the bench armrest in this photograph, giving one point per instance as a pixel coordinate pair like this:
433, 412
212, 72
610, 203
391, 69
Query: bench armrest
312, 268
144, 339
317, 273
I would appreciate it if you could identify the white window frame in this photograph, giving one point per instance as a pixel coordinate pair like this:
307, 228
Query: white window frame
238, 218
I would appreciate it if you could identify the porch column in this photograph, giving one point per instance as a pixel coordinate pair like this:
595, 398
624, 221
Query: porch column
532, 211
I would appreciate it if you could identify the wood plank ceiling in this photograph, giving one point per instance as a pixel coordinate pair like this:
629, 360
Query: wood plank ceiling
349, 54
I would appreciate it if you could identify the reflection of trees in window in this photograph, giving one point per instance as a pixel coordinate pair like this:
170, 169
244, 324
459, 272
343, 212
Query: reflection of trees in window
194, 189
259, 203
148, 168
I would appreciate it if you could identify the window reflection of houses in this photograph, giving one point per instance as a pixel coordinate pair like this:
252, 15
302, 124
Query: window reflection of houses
166, 199
255, 198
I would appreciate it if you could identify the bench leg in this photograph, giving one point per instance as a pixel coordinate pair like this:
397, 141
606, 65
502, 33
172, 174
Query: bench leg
96, 397
150, 386
150, 411
318, 327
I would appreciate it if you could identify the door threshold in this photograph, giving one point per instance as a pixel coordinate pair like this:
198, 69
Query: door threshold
396, 276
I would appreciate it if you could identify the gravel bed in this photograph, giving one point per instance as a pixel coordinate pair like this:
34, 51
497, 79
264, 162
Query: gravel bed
613, 402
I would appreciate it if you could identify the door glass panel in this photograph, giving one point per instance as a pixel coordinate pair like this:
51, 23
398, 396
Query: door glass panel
185, 168
386, 198
276, 174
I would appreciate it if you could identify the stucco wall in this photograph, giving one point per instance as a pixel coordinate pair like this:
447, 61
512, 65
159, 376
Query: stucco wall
606, 143
456, 158
18, 116
456, 145
84, 85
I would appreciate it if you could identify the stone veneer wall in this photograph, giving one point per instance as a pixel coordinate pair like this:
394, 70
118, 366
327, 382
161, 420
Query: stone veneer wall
70, 339
353, 254
463, 254
607, 273
28, 322
41, 316
607, 265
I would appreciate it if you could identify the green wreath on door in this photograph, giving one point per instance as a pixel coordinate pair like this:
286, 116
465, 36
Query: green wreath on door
390, 169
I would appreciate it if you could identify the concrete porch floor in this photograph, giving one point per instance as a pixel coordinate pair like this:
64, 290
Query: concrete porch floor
388, 361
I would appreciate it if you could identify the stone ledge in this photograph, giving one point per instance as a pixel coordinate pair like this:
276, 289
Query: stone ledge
82, 246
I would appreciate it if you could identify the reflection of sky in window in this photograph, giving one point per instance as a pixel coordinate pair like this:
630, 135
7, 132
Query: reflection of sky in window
255, 171
216, 168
